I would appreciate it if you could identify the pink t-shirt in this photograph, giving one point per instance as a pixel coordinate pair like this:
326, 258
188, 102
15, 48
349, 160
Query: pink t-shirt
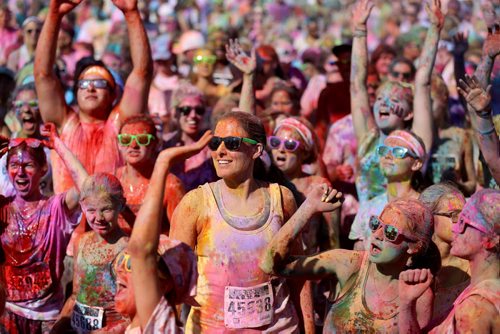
34, 245
8, 38
94, 144
162, 321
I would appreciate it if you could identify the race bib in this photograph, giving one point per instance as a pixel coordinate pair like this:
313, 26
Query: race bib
86, 318
248, 307
27, 283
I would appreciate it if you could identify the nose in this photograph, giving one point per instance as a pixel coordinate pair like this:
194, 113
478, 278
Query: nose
221, 150
379, 234
133, 143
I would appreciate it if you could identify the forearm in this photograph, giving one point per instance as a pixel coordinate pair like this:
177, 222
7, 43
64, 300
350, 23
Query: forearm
247, 98
483, 71
407, 319
489, 144
45, 56
306, 305
77, 171
459, 71
140, 50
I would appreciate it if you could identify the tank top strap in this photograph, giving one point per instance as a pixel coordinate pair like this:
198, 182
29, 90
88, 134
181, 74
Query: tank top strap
276, 200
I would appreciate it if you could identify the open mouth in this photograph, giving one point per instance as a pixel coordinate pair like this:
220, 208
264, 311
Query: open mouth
223, 162
22, 184
28, 122
384, 113
374, 249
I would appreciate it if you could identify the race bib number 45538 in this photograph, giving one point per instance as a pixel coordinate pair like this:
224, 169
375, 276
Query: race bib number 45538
248, 307
86, 318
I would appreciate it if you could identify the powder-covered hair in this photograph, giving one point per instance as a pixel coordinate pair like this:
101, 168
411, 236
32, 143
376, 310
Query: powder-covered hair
185, 90
103, 183
432, 196
141, 119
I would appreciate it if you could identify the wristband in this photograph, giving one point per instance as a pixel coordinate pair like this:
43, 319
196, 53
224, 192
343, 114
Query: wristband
485, 114
486, 132
359, 33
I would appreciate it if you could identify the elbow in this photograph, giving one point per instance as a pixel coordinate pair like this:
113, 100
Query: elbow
141, 249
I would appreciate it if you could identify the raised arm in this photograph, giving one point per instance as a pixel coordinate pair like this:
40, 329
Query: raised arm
144, 240
74, 166
362, 116
460, 47
135, 94
236, 56
491, 46
478, 103
50, 92
422, 105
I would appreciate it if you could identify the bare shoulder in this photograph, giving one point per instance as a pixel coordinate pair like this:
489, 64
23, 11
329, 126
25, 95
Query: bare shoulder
476, 312
288, 202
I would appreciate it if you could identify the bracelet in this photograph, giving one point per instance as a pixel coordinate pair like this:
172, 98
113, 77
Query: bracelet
486, 132
485, 114
359, 33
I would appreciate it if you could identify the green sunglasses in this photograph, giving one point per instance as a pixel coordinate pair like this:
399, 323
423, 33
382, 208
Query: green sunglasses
125, 139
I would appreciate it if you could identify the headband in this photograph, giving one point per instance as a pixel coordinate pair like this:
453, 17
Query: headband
300, 127
410, 140
101, 72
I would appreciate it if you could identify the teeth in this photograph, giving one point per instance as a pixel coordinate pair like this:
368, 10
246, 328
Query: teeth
223, 162
192, 122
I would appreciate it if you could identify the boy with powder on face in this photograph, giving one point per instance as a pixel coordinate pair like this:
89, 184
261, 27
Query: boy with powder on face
91, 133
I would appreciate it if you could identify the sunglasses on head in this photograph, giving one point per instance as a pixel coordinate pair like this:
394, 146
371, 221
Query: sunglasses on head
30, 142
462, 223
205, 60
125, 139
96, 83
397, 152
231, 143
186, 110
19, 104
401, 75
391, 232
289, 145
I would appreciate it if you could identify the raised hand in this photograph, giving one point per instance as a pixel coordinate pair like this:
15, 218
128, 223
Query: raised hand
125, 5
176, 154
412, 284
461, 45
436, 16
63, 7
491, 46
323, 199
240, 59
360, 13
49, 130
475, 95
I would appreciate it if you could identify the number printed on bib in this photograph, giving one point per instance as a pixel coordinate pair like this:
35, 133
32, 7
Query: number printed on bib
86, 318
248, 307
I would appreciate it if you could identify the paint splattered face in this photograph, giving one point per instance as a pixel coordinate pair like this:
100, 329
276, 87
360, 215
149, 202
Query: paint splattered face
101, 213
233, 164
390, 107
394, 167
27, 112
281, 103
287, 161
125, 292
446, 214
468, 243
381, 249
190, 115
25, 174
134, 153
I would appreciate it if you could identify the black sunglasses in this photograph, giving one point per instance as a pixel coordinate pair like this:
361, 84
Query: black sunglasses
404, 75
231, 143
186, 110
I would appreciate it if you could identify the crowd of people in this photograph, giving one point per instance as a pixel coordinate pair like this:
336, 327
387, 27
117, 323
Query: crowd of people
242, 166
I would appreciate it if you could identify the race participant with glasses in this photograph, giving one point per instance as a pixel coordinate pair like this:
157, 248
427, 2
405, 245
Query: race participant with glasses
229, 223
35, 233
188, 103
396, 104
475, 239
401, 158
292, 145
91, 307
91, 132
368, 300
139, 149
446, 202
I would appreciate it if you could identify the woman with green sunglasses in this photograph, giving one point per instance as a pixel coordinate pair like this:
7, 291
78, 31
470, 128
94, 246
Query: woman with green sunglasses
139, 148
401, 158
368, 299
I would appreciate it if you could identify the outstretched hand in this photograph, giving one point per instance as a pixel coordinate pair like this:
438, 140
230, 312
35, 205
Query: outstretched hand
360, 13
491, 46
323, 199
49, 130
460, 43
125, 5
236, 56
475, 95
412, 284
62, 7
436, 16
176, 154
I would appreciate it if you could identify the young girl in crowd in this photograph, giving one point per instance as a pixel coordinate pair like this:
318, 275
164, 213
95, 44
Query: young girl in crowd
476, 239
293, 145
229, 223
35, 233
396, 105
92, 306
139, 146
446, 202
144, 296
401, 158
369, 298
